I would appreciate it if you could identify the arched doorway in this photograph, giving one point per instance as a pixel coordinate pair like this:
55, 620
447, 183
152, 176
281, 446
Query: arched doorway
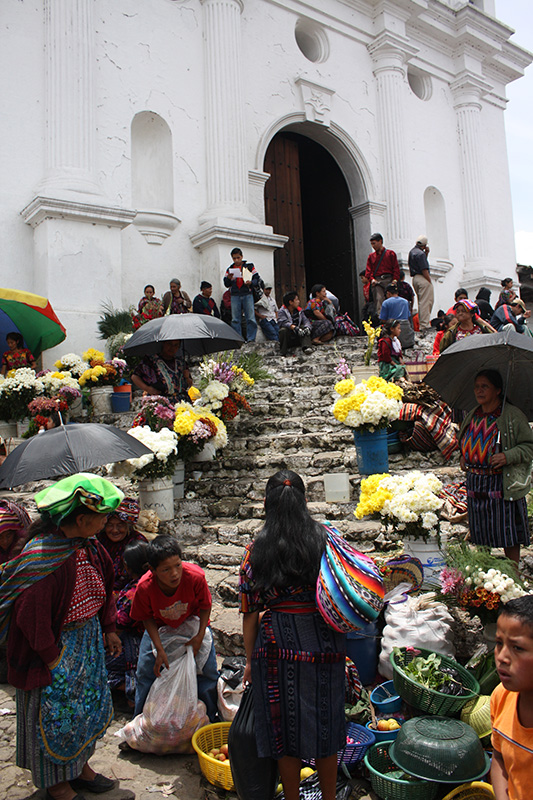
308, 200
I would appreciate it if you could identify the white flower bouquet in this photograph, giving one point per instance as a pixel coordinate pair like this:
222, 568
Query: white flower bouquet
17, 390
407, 503
161, 463
72, 363
368, 405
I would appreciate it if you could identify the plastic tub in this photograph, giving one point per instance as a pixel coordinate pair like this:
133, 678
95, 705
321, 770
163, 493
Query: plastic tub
120, 402
362, 648
382, 701
383, 736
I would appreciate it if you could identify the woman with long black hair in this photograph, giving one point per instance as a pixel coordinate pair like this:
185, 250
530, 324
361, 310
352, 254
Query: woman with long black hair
294, 660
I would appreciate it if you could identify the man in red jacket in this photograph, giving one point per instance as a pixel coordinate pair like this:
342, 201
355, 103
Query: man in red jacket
382, 268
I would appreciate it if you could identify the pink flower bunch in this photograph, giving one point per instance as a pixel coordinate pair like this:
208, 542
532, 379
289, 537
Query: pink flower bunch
164, 412
223, 372
342, 369
201, 431
452, 581
70, 393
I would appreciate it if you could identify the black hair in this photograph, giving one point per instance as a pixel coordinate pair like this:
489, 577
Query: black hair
136, 557
288, 297
149, 286
236, 251
493, 376
16, 337
376, 237
483, 294
444, 321
362, 274
56, 418
402, 274
506, 280
317, 288
521, 608
387, 326
460, 291
288, 548
161, 548
205, 285
392, 288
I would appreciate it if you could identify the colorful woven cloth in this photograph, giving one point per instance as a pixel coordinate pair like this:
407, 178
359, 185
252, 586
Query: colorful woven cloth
437, 424
349, 589
13, 517
56, 502
128, 510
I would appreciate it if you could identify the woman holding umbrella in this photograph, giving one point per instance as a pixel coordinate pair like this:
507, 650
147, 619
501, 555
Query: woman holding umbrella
165, 373
56, 602
496, 453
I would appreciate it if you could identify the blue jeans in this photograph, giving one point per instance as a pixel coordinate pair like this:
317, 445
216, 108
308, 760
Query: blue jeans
270, 329
243, 303
207, 680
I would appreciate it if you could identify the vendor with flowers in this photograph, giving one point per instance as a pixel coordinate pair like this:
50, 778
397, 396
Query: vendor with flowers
165, 373
496, 453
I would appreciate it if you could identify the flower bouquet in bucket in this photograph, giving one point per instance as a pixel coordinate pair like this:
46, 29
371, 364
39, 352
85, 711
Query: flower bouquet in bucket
195, 427
367, 406
224, 387
19, 388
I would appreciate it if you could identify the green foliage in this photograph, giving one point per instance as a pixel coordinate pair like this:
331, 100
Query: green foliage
252, 363
461, 556
114, 320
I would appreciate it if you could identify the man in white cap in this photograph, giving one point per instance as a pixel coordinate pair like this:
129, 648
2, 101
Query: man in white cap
419, 271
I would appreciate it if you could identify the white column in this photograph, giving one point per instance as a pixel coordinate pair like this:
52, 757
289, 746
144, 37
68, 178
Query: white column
390, 53
467, 91
227, 175
70, 127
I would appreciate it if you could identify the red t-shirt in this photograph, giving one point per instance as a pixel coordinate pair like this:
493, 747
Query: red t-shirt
191, 597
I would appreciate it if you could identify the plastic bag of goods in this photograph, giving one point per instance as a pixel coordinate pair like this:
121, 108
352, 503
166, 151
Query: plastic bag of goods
416, 622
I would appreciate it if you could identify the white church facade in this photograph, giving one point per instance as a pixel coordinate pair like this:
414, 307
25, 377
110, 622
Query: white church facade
144, 139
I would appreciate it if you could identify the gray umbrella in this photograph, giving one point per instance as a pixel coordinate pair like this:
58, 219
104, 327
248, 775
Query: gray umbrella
200, 334
66, 450
508, 352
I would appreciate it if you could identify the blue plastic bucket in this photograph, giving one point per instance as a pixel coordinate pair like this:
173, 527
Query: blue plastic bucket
362, 648
372, 451
120, 401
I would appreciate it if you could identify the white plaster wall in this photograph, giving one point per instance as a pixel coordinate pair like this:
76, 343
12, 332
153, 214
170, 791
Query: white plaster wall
149, 57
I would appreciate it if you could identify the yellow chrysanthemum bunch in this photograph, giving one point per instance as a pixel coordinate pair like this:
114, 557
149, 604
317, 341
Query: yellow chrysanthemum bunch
345, 386
93, 356
342, 407
193, 393
244, 376
185, 419
373, 497
391, 390
92, 374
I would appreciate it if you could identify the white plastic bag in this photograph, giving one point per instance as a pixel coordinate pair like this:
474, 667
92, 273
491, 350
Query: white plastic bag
416, 622
172, 712
229, 699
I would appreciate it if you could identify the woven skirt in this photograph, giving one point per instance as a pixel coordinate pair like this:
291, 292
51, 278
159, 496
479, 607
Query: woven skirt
298, 685
493, 521
58, 725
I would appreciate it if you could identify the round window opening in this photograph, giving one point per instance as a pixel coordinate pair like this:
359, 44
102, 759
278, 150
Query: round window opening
312, 40
419, 82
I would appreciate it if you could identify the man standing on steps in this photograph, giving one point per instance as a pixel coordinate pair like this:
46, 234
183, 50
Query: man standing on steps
419, 271
381, 269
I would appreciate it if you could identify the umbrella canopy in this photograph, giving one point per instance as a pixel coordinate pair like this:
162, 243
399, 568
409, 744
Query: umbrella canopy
66, 450
33, 317
199, 334
508, 352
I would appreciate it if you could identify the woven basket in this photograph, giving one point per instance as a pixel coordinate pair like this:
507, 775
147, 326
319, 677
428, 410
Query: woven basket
429, 700
476, 713
477, 790
416, 370
379, 764
353, 753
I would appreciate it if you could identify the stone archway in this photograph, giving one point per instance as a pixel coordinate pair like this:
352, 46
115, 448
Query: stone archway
317, 195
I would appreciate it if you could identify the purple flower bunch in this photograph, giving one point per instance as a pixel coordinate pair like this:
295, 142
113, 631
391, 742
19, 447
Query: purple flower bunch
69, 393
200, 432
157, 412
342, 369
223, 372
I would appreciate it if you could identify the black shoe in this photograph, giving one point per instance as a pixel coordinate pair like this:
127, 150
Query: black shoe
48, 796
98, 785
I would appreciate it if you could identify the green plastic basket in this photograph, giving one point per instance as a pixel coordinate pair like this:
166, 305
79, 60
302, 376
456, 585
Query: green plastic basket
430, 700
379, 764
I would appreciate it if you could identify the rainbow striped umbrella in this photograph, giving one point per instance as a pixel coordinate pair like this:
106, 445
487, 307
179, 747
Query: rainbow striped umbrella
33, 317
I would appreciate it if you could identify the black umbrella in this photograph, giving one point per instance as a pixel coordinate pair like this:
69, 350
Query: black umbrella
67, 450
508, 352
199, 334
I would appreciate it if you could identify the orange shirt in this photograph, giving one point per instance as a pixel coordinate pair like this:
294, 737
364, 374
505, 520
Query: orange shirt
513, 741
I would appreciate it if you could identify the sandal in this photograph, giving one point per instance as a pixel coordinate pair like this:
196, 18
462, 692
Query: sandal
98, 785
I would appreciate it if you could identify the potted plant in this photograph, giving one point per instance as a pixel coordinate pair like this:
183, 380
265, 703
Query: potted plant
367, 407
408, 505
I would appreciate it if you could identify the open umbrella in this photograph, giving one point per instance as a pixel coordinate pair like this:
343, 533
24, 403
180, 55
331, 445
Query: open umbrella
199, 334
33, 317
79, 447
508, 352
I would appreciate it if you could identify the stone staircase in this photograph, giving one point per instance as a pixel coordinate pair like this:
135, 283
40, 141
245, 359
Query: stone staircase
291, 427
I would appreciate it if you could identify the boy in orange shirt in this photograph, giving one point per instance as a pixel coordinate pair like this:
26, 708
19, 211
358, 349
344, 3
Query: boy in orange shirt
511, 704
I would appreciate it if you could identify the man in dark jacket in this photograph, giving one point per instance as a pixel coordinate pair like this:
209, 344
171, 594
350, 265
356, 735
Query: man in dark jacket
483, 303
203, 303
240, 285
512, 317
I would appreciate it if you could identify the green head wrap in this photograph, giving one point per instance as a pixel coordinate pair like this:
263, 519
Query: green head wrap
56, 502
